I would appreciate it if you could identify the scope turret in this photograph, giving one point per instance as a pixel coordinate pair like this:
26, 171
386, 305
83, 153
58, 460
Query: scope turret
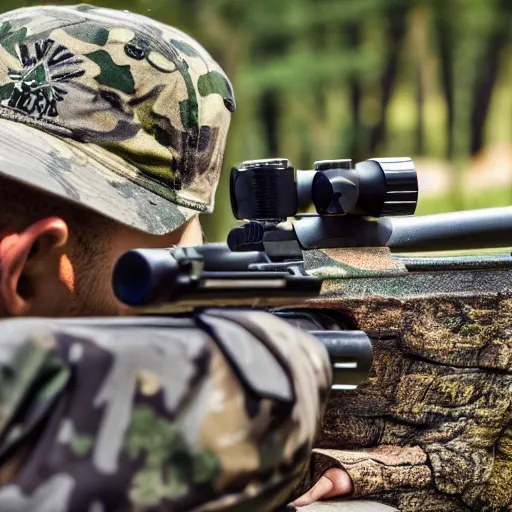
272, 190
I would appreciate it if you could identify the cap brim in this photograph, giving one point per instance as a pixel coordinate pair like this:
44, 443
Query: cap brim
85, 174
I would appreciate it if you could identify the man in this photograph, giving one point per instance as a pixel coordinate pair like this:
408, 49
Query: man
118, 119
112, 134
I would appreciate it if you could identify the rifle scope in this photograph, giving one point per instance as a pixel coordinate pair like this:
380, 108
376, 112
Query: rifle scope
272, 190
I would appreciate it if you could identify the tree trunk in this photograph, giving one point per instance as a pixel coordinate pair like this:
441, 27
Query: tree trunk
356, 94
420, 100
396, 14
269, 113
443, 31
486, 80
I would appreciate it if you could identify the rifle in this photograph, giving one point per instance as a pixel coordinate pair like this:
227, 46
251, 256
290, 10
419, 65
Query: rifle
297, 267
438, 325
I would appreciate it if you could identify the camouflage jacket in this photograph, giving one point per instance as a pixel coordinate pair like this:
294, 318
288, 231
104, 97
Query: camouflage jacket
213, 412
431, 428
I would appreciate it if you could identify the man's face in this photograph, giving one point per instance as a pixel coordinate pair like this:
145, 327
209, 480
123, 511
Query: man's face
44, 273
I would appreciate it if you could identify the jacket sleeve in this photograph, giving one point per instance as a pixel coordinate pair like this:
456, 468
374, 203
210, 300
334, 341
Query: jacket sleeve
376, 470
213, 412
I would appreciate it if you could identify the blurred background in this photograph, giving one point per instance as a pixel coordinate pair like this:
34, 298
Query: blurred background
327, 79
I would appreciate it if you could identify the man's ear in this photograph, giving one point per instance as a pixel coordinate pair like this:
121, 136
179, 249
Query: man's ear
24, 256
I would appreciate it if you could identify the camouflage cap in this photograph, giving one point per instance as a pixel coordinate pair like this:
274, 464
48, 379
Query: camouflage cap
112, 110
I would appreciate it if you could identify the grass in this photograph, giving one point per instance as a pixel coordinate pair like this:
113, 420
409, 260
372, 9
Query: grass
470, 200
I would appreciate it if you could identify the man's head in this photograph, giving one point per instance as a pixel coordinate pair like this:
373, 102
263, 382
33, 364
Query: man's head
56, 258
112, 136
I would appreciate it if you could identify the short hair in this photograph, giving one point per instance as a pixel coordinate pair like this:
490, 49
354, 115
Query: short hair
90, 234
22, 205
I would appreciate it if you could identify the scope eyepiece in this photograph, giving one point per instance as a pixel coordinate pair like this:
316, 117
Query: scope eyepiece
271, 190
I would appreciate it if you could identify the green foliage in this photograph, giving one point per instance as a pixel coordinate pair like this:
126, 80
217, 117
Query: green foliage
344, 81
470, 199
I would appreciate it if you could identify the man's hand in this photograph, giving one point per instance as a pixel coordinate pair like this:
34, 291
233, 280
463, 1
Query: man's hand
334, 482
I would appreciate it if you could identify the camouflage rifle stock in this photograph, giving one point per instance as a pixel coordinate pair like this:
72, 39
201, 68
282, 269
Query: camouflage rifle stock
430, 428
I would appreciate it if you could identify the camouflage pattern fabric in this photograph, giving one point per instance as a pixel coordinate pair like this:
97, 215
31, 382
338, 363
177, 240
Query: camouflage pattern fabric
114, 111
333, 264
431, 428
212, 412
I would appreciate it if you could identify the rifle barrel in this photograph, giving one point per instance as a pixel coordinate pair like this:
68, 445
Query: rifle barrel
475, 229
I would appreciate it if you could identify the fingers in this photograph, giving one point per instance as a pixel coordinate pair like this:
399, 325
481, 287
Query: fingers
334, 482
342, 483
323, 487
